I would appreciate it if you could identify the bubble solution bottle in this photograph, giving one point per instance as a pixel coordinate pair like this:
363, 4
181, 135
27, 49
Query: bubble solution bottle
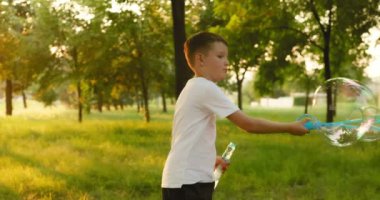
226, 157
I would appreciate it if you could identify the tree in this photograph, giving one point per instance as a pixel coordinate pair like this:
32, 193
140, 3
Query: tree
73, 19
182, 71
332, 30
237, 23
152, 57
140, 50
14, 25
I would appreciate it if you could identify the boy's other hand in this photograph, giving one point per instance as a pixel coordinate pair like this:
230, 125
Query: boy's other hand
220, 161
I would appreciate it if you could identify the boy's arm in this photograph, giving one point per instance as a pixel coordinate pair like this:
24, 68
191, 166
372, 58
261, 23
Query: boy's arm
254, 125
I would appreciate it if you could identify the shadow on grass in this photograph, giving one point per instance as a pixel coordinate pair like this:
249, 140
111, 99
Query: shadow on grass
8, 193
103, 176
90, 181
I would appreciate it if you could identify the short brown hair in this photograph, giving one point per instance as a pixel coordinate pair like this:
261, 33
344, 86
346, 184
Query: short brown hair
200, 41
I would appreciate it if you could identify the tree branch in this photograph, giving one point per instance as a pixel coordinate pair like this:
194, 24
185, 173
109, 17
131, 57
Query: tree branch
307, 36
316, 16
330, 16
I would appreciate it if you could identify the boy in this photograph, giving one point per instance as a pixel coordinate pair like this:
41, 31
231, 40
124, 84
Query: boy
188, 171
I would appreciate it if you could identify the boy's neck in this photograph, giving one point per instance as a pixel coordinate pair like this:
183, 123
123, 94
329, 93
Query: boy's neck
202, 75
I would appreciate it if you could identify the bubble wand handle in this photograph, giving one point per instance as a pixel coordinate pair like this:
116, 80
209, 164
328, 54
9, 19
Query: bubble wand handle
226, 156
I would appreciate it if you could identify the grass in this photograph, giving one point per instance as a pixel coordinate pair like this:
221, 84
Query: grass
46, 154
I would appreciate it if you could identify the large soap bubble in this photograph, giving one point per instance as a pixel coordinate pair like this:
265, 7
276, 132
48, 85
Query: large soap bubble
353, 108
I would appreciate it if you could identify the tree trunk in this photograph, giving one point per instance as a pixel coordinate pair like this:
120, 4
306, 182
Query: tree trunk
327, 75
24, 99
87, 101
115, 105
8, 97
80, 103
142, 104
74, 54
239, 93
146, 105
335, 100
99, 96
326, 33
138, 105
182, 71
164, 108
100, 102
121, 104
307, 95
145, 99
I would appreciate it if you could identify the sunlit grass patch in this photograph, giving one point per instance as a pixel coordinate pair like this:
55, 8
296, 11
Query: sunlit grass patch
26, 179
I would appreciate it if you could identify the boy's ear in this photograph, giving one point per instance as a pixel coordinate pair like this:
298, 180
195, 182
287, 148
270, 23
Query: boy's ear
199, 58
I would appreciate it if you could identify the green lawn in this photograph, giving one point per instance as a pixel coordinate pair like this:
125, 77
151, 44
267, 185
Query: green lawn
46, 154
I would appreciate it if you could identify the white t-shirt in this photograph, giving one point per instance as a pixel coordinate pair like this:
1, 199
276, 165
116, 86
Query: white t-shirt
192, 155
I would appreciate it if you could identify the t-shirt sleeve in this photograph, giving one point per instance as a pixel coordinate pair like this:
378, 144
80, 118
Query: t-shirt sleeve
217, 102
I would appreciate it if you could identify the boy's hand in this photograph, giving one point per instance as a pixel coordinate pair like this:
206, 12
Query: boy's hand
298, 128
219, 161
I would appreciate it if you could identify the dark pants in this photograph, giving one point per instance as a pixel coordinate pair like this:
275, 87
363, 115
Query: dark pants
197, 191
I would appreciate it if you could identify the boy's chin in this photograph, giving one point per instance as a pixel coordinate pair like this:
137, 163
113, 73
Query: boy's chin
220, 79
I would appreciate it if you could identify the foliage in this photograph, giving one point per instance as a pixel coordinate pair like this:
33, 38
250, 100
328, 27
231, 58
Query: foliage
118, 54
246, 42
284, 29
111, 53
48, 96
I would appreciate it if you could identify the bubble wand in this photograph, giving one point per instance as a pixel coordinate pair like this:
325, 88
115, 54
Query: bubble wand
344, 133
315, 124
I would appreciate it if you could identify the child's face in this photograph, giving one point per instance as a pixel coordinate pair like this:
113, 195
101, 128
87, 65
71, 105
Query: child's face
214, 64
